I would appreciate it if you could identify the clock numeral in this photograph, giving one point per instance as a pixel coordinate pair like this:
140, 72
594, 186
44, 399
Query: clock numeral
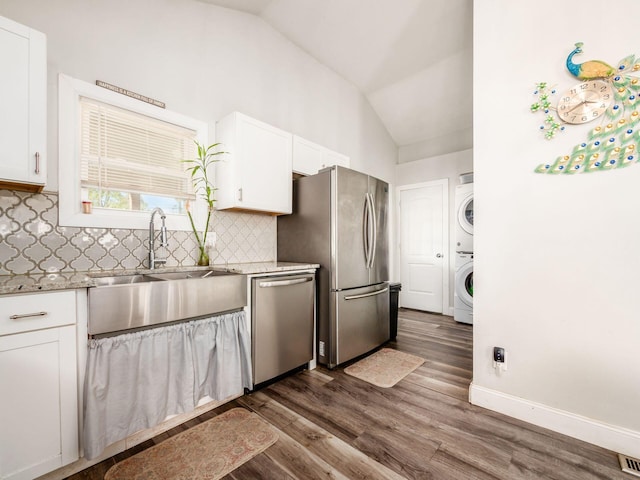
584, 86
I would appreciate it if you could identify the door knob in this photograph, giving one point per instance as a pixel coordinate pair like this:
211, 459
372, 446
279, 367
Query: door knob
438, 255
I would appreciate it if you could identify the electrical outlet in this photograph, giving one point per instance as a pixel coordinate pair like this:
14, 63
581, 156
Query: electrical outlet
321, 349
500, 359
212, 239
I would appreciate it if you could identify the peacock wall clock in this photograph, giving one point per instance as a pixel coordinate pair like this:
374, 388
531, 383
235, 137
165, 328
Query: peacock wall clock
608, 95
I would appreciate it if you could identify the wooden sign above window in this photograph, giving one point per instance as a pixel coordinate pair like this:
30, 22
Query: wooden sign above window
129, 93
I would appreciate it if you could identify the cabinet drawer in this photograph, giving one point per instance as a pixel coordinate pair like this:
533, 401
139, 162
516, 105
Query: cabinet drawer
26, 312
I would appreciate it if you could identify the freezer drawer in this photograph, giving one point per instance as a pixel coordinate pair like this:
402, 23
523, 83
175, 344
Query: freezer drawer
282, 317
361, 321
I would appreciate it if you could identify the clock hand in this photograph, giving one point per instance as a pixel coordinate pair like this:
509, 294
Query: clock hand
578, 105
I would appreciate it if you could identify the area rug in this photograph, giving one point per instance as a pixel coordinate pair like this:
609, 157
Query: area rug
384, 368
207, 451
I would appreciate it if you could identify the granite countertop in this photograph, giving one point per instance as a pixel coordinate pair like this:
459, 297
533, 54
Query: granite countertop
44, 282
11, 284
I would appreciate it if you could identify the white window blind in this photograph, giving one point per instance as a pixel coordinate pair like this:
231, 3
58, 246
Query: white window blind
124, 151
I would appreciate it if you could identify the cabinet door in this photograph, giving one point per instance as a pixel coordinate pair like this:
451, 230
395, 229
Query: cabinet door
307, 156
38, 405
331, 158
256, 172
265, 170
23, 100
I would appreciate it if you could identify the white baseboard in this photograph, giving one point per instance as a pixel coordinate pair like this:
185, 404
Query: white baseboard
611, 437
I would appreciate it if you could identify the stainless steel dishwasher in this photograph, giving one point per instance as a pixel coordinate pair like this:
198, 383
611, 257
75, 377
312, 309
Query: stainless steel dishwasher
282, 324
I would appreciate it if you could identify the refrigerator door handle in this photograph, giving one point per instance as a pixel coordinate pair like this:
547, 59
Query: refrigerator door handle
370, 230
367, 238
365, 231
364, 295
374, 233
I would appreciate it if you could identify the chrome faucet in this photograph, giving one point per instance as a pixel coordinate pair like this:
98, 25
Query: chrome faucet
163, 239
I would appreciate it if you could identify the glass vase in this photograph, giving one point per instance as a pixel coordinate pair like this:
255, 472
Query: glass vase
203, 258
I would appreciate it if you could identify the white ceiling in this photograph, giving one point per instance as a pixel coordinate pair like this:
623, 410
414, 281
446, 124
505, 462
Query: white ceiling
412, 59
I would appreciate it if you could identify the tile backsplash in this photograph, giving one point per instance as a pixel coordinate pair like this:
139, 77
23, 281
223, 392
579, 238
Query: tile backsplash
32, 242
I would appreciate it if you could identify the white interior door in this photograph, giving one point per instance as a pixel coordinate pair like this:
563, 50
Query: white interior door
423, 255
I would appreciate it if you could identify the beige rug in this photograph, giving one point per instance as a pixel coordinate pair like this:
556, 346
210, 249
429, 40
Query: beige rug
207, 451
384, 368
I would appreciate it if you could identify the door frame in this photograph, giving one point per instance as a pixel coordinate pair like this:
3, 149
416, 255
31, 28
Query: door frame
447, 307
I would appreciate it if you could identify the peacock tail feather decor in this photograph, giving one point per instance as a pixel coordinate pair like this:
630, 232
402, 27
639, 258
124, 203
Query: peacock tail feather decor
615, 142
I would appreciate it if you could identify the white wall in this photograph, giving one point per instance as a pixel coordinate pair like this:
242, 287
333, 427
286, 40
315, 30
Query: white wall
204, 61
556, 257
448, 166
454, 141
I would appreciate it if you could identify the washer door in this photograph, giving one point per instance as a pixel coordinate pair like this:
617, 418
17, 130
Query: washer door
465, 214
464, 283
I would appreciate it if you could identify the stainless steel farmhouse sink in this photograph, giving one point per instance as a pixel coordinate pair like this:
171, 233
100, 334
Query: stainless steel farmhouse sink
184, 275
123, 280
124, 302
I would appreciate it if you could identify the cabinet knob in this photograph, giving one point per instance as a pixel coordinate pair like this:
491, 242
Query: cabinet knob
438, 255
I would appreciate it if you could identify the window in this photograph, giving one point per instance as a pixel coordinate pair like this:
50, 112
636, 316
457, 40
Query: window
124, 156
132, 162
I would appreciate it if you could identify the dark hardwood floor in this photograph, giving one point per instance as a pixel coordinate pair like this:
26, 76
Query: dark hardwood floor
334, 426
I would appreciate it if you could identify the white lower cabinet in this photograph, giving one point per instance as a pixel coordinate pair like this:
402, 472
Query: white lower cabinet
309, 157
38, 381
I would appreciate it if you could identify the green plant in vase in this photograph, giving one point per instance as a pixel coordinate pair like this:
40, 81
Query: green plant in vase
199, 171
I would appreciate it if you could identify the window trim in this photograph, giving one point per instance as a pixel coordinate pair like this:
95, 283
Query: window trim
70, 202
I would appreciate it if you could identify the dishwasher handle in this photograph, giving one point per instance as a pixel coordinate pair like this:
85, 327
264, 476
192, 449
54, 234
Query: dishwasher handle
364, 295
284, 283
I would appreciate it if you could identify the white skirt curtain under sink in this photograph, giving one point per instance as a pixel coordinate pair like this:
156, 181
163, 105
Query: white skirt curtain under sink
135, 380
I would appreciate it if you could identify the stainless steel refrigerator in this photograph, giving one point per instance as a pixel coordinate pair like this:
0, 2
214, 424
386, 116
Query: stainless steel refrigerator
340, 221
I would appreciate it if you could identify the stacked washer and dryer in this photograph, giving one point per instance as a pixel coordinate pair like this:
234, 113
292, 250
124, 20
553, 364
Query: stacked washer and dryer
463, 294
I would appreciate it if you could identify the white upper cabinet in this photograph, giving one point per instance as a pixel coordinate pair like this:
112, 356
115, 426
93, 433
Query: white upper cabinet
334, 158
255, 174
23, 91
309, 157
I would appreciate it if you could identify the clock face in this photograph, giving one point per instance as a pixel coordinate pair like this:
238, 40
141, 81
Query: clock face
585, 101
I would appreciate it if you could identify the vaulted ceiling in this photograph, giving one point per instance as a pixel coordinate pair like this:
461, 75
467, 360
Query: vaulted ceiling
412, 59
